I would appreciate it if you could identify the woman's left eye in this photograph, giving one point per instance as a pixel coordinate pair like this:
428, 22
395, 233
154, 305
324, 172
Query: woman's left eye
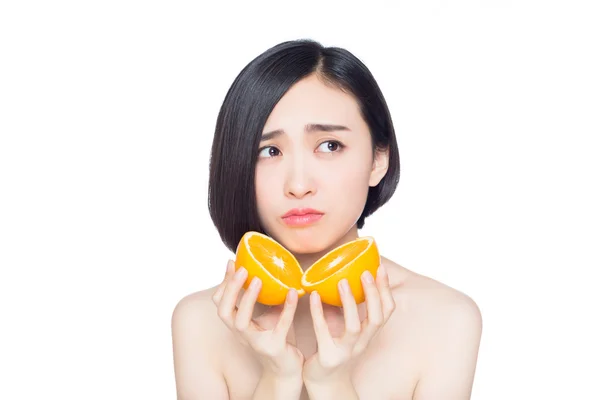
330, 146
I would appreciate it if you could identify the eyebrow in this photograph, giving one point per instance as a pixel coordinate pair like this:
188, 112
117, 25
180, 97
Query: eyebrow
309, 128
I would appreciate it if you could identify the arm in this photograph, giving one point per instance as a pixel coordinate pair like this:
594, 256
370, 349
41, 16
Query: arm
196, 372
450, 370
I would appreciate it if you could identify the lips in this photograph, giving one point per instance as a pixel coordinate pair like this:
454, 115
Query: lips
301, 216
301, 211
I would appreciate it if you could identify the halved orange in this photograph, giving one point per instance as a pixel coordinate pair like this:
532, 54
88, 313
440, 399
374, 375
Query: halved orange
279, 270
348, 261
276, 267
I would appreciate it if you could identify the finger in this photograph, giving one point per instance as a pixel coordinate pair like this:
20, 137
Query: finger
373, 300
388, 304
243, 318
226, 308
375, 317
319, 324
229, 271
287, 315
351, 318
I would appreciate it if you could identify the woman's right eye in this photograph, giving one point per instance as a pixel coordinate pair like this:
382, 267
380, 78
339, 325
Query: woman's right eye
269, 151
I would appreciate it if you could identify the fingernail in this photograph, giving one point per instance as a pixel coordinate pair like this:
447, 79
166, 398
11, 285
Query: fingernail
290, 295
381, 272
343, 285
255, 284
241, 272
367, 276
314, 297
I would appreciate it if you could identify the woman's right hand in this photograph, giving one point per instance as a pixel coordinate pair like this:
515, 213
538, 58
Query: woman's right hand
277, 356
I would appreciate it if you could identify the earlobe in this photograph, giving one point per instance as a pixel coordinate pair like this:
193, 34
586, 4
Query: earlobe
380, 167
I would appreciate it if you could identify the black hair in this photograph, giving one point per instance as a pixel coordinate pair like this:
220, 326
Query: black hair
246, 107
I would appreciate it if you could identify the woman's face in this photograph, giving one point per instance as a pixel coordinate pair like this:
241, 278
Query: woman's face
325, 169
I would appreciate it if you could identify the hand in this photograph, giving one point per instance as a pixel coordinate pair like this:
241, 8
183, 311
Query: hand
334, 354
267, 338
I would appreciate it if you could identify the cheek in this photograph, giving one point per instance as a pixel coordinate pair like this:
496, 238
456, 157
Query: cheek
267, 183
349, 181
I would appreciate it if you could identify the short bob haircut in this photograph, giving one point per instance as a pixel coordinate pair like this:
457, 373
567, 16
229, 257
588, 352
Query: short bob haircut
246, 108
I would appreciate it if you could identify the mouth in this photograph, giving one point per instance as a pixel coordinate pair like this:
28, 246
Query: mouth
301, 216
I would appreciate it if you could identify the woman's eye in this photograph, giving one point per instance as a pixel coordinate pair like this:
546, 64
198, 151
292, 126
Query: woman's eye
269, 151
330, 146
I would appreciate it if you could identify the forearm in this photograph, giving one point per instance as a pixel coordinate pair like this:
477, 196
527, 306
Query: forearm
271, 387
336, 389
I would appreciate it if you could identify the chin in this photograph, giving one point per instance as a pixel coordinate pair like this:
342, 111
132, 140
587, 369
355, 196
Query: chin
315, 239
307, 240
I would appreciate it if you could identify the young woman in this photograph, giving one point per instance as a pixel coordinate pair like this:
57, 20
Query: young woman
305, 130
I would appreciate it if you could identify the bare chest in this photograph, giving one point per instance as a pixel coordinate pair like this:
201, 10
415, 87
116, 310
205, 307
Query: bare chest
379, 374
388, 370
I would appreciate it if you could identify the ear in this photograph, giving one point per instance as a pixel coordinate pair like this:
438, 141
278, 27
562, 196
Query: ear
380, 166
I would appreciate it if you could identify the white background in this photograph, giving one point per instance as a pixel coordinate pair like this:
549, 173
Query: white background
107, 111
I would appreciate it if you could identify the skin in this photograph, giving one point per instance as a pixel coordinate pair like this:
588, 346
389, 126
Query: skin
426, 344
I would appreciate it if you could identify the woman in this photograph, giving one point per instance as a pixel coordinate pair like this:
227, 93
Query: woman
306, 129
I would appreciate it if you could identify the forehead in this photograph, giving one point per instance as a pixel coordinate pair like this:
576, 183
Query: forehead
311, 101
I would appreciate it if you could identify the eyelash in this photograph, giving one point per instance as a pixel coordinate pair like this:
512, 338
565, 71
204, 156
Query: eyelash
340, 147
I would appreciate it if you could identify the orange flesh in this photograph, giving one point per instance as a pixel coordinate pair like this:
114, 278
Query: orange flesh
336, 260
275, 261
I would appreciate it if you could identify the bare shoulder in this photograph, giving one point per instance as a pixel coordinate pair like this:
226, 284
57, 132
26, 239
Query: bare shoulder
422, 292
446, 326
440, 309
195, 330
195, 302
195, 310
195, 317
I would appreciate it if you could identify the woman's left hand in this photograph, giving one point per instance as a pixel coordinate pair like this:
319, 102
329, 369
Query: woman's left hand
334, 355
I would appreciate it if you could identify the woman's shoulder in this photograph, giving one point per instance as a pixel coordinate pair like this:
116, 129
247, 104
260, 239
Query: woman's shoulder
432, 309
420, 291
195, 322
195, 333
443, 326
199, 298
197, 308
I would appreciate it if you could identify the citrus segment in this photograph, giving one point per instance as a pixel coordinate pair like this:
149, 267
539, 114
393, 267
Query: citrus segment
348, 261
276, 267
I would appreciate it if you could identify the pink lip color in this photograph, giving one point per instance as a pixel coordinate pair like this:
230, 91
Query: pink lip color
301, 220
301, 211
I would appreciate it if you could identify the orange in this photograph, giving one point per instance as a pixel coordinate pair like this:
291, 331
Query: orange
279, 270
276, 267
348, 261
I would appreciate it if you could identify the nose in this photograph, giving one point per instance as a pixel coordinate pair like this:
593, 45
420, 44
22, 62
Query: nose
298, 182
